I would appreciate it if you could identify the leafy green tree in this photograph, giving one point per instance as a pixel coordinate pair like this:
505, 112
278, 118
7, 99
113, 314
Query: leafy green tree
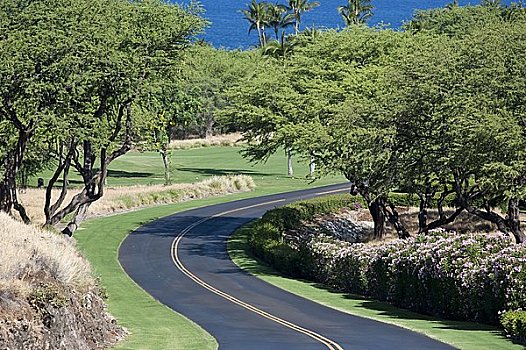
349, 129
356, 12
207, 74
90, 64
324, 104
459, 119
34, 79
458, 21
171, 107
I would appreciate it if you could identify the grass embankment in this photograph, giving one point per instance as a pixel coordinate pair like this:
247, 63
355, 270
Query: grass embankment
463, 335
154, 326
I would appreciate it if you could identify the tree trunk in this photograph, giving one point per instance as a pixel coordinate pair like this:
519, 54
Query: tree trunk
394, 219
422, 214
165, 154
312, 167
376, 210
290, 170
209, 126
260, 35
12, 164
514, 221
94, 180
63, 168
79, 216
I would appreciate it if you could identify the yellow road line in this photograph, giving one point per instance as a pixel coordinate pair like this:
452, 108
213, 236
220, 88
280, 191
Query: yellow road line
330, 344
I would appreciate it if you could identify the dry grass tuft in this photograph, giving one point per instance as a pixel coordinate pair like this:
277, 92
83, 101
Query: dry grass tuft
119, 199
229, 140
30, 254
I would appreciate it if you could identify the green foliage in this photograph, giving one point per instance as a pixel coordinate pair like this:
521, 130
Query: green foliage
454, 20
435, 110
267, 240
514, 324
290, 216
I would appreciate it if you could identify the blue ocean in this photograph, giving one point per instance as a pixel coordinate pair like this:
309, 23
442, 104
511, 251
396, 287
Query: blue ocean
229, 29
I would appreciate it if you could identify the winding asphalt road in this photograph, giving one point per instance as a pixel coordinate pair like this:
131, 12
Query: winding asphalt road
182, 261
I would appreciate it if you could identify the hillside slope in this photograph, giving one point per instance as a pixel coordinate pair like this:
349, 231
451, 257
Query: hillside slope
48, 296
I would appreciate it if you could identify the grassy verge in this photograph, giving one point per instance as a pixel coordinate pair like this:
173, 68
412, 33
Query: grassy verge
152, 325
463, 335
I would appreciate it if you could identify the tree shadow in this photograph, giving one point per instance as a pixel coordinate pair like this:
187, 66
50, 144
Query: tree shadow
223, 172
128, 174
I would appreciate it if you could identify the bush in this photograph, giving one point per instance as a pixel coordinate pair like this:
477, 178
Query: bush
514, 324
291, 216
457, 276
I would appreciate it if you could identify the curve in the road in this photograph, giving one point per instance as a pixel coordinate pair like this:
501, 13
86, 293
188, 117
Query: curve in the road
331, 345
241, 311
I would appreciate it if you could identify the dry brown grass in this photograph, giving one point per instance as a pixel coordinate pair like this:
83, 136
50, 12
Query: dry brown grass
120, 199
464, 223
217, 140
29, 254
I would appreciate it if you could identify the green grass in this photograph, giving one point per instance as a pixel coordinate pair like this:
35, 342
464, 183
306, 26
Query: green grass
152, 325
193, 165
463, 335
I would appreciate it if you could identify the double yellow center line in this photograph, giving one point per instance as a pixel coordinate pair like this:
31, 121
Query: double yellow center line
330, 344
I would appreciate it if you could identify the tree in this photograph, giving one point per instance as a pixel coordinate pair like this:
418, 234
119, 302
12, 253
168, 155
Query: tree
279, 18
35, 49
257, 15
172, 106
324, 104
460, 122
356, 12
459, 21
155, 36
90, 64
349, 130
298, 8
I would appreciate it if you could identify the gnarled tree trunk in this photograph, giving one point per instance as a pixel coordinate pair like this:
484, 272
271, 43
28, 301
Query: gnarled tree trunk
377, 213
94, 180
12, 164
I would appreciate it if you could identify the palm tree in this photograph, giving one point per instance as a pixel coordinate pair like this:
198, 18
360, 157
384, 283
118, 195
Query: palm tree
257, 15
298, 7
278, 18
356, 11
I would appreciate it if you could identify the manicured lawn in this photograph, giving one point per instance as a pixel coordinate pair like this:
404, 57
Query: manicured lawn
463, 335
136, 168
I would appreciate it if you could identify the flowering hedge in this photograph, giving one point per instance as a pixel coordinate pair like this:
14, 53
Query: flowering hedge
458, 276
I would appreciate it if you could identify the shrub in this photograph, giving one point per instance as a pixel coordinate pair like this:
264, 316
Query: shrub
290, 216
514, 324
458, 276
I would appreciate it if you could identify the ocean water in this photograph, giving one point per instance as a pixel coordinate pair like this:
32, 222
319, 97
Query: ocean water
229, 29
